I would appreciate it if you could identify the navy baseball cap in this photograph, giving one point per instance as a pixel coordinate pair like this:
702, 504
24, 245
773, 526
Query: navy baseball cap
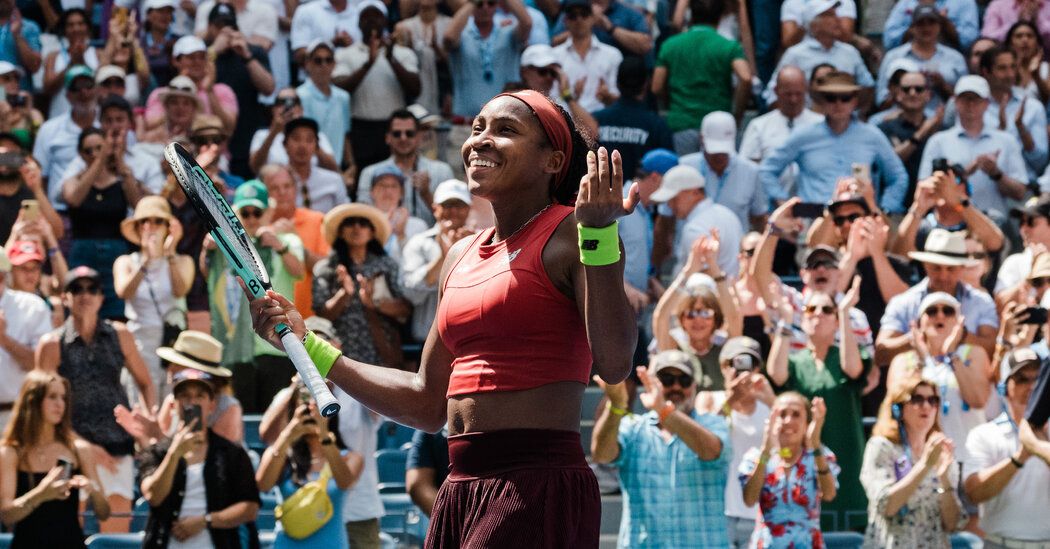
659, 161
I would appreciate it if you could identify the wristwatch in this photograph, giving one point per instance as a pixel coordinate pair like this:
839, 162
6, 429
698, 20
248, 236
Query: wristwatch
207, 519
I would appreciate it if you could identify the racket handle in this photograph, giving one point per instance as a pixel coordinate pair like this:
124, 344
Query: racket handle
326, 401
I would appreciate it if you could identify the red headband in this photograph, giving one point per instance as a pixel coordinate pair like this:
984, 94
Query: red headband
553, 123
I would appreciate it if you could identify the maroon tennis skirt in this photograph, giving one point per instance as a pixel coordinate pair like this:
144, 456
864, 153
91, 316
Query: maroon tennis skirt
528, 488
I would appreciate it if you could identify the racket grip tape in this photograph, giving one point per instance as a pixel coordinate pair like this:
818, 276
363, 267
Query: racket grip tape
312, 378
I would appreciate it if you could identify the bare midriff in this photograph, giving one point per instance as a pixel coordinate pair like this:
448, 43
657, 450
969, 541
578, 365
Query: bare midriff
554, 406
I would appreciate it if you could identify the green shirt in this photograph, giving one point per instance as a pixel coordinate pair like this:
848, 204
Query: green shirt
700, 75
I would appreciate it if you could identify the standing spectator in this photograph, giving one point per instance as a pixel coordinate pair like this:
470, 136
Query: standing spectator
1024, 40
629, 125
180, 106
961, 19
116, 122
380, 75
24, 320
424, 254
331, 20
319, 189
123, 52
731, 180
267, 146
793, 17
257, 20
56, 142
671, 460
23, 182
75, 49
590, 65
765, 133
423, 33
387, 195
92, 354
909, 130
37, 499
940, 64
1011, 110
1000, 476
790, 474
1001, 15
854, 142
421, 174
1034, 219
993, 157
907, 505
17, 114
695, 71
325, 103
20, 42
540, 71
199, 486
616, 24
941, 202
158, 39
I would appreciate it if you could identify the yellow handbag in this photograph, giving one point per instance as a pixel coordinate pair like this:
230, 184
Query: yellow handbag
308, 509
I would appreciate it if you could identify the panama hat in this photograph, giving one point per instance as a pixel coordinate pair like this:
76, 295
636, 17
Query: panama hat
196, 350
150, 207
334, 218
944, 248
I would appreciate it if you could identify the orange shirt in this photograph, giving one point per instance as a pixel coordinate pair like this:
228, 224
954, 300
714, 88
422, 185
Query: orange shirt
308, 227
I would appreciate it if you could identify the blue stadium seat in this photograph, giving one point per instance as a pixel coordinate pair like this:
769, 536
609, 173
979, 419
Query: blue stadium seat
843, 540
5, 540
270, 500
966, 540
115, 541
139, 515
266, 540
393, 435
403, 520
390, 464
251, 433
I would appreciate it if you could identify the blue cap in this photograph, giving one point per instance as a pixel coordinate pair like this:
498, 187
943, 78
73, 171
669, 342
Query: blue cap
659, 161
388, 170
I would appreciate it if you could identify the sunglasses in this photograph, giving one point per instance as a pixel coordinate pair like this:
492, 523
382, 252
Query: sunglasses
398, 134
82, 86
699, 313
485, 3
204, 140
841, 220
356, 222
1025, 380
547, 73
978, 255
323, 60
823, 309
577, 14
838, 97
826, 263
918, 400
1039, 282
93, 289
913, 89
946, 310
250, 212
153, 221
668, 379
749, 252
1029, 221
113, 83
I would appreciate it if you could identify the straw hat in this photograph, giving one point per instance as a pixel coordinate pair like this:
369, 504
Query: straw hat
335, 217
944, 248
196, 350
147, 208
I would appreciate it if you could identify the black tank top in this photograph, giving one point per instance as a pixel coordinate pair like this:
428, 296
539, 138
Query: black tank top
100, 214
53, 524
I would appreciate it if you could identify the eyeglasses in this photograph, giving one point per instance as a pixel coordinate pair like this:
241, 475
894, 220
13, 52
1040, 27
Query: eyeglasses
978, 255
1029, 221
398, 134
204, 140
547, 73
699, 313
668, 379
823, 309
93, 289
1039, 282
913, 89
826, 263
250, 212
323, 60
946, 310
577, 14
355, 222
153, 221
113, 82
841, 220
918, 400
838, 97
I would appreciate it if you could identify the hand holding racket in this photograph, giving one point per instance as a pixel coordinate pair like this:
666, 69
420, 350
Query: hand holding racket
230, 237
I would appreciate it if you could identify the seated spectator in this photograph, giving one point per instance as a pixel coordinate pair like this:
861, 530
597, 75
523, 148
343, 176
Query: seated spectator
793, 14
17, 114
1034, 220
199, 486
152, 280
733, 180
1011, 110
855, 142
379, 75
791, 458
45, 468
683, 189
206, 133
1001, 476
615, 24
267, 145
672, 452
56, 144
255, 19
189, 58
421, 175
25, 321
422, 33
961, 21
158, 39
887, 109
1033, 74
698, 320
1001, 15
27, 275
831, 366
976, 275
758, 318
358, 288
590, 65
694, 73
259, 370
426, 468
424, 254
910, 128
124, 52
22, 48
333, 20
942, 202
324, 102
310, 448
629, 125
112, 80
940, 64
319, 189
387, 196
181, 105
909, 472
75, 50
19, 183
92, 353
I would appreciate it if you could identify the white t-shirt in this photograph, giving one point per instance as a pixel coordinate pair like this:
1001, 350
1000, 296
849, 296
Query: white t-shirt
378, 95
278, 154
144, 167
358, 427
745, 432
194, 504
28, 319
257, 19
602, 62
1016, 512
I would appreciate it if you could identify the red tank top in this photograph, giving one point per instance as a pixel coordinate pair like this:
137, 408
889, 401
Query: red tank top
506, 324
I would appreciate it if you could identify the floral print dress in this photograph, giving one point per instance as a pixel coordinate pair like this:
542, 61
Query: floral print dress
789, 506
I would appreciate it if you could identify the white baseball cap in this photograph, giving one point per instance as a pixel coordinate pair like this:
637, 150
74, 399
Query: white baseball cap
718, 130
677, 179
160, 4
538, 55
7, 67
972, 83
815, 8
319, 43
452, 189
187, 45
372, 4
109, 71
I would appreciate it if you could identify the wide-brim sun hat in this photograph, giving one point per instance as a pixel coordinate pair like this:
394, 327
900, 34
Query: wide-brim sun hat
946, 248
335, 217
149, 207
196, 350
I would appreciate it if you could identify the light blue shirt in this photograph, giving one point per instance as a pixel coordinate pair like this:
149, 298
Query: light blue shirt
809, 53
705, 216
332, 113
436, 169
1034, 121
55, 148
636, 233
823, 158
540, 31
672, 498
738, 188
481, 66
978, 308
958, 148
945, 61
962, 14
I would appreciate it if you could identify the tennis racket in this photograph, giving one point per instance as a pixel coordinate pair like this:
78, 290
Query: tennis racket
224, 226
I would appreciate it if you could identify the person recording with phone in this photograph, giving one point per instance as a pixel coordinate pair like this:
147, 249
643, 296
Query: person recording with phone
17, 115
24, 204
267, 145
199, 486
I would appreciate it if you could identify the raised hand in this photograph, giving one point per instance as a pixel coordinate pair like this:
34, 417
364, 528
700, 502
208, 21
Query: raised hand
652, 398
931, 451
851, 298
783, 219
366, 287
819, 411
600, 201
955, 337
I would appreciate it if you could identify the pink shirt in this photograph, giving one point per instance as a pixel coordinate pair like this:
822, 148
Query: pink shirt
155, 109
1002, 14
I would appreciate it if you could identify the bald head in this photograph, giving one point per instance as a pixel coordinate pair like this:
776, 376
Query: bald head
791, 91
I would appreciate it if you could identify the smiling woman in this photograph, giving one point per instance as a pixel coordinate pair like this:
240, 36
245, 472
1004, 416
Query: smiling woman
526, 310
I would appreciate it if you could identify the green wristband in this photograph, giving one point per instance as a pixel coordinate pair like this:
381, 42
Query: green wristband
322, 353
599, 246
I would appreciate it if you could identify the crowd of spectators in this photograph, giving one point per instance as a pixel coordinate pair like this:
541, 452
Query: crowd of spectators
839, 263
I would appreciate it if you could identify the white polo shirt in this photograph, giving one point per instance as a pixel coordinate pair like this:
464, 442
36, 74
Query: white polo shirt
318, 19
601, 62
144, 167
28, 319
324, 187
1017, 511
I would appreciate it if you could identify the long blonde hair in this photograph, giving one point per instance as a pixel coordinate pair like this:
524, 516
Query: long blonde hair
27, 418
888, 426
